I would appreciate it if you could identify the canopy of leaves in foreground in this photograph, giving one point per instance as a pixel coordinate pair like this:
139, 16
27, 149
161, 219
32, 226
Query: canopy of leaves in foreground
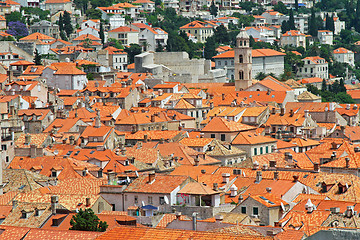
86, 220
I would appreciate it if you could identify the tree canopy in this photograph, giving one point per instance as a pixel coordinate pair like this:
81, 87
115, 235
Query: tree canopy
86, 220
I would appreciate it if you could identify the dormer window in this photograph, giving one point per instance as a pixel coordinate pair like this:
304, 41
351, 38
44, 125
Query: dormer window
343, 188
53, 173
25, 214
326, 187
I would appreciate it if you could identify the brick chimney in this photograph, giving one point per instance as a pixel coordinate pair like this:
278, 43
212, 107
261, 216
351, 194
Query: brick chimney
226, 177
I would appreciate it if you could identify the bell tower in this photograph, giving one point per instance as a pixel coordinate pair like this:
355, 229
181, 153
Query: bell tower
243, 61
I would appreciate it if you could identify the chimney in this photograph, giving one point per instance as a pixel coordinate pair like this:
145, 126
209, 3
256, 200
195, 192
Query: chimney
306, 113
316, 167
194, 220
265, 167
226, 178
54, 203
178, 215
288, 157
233, 191
196, 160
72, 140
97, 119
88, 203
219, 218
282, 111
357, 149
276, 175
145, 137
347, 106
151, 177
161, 92
272, 163
258, 177
273, 111
223, 96
152, 118
27, 139
14, 204
268, 92
291, 112
347, 161
211, 105
215, 187
33, 149
268, 189
355, 107
296, 178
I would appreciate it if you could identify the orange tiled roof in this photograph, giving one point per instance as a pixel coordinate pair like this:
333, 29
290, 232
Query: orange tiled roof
37, 36
218, 124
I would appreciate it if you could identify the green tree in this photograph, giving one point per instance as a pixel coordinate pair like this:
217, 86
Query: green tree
260, 76
61, 23
63, 36
281, 8
313, 28
213, 9
291, 20
132, 51
82, 4
331, 23
210, 48
86, 220
357, 17
37, 58
101, 3
93, 13
221, 35
14, 17
247, 5
323, 85
101, 33
297, 5
68, 28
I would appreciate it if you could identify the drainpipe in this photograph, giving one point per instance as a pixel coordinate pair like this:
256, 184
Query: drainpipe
194, 220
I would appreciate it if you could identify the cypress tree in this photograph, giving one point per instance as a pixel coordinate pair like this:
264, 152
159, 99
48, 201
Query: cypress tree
101, 33
37, 58
291, 20
68, 28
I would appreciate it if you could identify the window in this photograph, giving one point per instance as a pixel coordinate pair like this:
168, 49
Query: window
136, 199
243, 210
222, 136
241, 75
162, 200
241, 60
150, 201
53, 174
4, 147
255, 211
212, 136
261, 150
255, 151
225, 63
267, 149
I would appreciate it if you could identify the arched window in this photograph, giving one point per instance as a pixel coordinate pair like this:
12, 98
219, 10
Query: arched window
240, 43
241, 75
241, 60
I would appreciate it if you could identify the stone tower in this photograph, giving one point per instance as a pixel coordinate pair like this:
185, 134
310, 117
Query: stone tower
243, 61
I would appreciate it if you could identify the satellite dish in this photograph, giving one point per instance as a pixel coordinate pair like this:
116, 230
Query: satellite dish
137, 174
166, 199
56, 152
142, 203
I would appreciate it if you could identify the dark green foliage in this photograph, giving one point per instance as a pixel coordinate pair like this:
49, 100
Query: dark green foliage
37, 58
114, 43
86, 220
281, 8
338, 69
357, 17
324, 86
132, 51
210, 48
213, 9
245, 20
82, 4
247, 5
288, 25
260, 76
68, 28
335, 93
100, 3
101, 33
63, 36
61, 23
331, 5
221, 35
42, 14
15, 17
292, 63
297, 5
313, 28
93, 13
